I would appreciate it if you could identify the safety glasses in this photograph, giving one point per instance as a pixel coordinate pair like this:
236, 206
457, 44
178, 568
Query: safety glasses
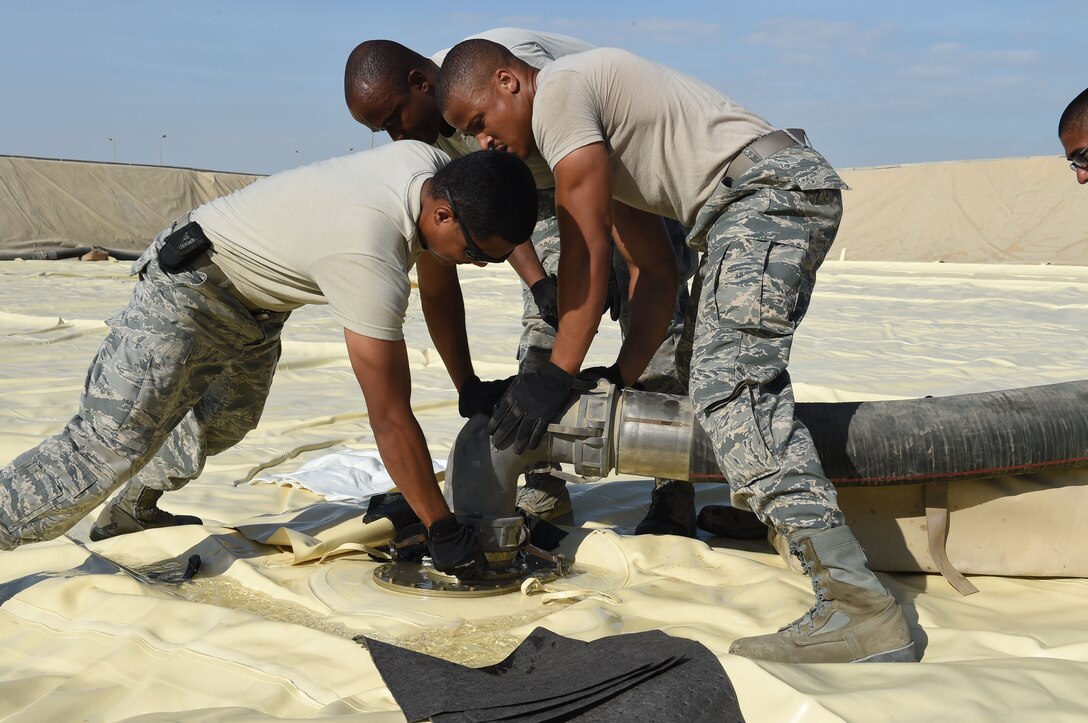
472, 251
1078, 160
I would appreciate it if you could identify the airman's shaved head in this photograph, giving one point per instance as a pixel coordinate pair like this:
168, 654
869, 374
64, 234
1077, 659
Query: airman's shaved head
1075, 116
469, 65
390, 87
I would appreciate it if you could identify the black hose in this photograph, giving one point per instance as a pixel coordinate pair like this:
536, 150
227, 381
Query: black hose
56, 254
968, 436
962, 437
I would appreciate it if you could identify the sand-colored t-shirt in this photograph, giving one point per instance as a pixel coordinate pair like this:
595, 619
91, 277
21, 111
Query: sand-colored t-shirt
535, 48
670, 136
341, 232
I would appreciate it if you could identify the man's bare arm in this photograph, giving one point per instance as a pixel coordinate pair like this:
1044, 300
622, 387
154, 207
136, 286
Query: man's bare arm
583, 200
444, 311
525, 263
643, 241
381, 367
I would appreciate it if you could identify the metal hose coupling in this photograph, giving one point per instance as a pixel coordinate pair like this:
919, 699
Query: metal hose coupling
600, 431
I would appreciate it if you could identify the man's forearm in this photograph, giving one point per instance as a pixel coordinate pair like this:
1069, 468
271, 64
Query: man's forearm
444, 312
583, 209
583, 286
526, 264
644, 241
653, 319
403, 449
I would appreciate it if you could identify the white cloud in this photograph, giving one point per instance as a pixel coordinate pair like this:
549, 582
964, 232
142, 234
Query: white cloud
679, 29
932, 72
794, 34
665, 31
959, 53
1010, 57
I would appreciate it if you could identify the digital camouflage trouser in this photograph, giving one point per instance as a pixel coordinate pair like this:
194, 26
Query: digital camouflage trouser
183, 373
762, 240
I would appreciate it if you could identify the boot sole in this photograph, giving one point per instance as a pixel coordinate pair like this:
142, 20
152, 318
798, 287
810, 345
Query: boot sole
905, 654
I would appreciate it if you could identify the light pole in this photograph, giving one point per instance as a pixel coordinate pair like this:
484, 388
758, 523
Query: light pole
114, 144
161, 139
298, 157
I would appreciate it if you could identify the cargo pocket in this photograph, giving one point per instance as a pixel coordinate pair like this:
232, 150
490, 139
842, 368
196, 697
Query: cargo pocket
129, 398
781, 287
38, 489
757, 285
742, 441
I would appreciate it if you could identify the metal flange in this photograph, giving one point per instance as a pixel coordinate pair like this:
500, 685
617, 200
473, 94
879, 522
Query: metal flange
420, 578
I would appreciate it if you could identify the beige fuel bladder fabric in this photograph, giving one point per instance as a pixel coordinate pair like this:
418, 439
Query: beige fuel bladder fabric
46, 203
1006, 211
1003, 211
264, 630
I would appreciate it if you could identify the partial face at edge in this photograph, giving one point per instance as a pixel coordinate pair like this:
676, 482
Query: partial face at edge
498, 115
1075, 141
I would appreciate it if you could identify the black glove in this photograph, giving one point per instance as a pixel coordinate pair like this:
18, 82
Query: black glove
611, 373
546, 295
521, 417
393, 507
615, 297
455, 549
409, 544
478, 397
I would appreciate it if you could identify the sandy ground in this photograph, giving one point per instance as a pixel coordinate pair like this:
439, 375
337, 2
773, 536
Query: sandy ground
255, 636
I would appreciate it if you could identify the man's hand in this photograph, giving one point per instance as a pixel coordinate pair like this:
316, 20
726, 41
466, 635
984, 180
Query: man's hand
455, 549
409, 544
546, 295
611, 373
521, 417
478, 397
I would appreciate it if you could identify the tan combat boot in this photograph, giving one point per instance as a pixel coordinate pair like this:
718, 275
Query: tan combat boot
134, 510
855, 619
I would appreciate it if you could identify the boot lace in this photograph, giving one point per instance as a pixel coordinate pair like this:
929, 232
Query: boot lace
822, 603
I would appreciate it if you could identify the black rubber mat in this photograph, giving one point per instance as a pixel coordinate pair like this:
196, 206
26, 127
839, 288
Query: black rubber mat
650, 676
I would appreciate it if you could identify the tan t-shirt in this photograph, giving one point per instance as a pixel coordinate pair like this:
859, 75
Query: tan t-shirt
341, 232
532, 47
670, 136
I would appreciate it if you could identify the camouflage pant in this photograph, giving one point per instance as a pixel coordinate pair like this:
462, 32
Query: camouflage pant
763, 240
183, 373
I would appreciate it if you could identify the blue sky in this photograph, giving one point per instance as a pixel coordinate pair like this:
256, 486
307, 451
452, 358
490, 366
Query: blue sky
256, 86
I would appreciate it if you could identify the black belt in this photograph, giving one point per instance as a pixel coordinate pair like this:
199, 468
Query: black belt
760, 149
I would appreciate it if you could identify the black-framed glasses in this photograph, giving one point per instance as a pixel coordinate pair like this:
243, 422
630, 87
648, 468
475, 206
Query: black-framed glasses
472, 251
1078, 160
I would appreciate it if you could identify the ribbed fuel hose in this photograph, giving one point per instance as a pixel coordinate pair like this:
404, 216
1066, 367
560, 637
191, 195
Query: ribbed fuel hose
962, 437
